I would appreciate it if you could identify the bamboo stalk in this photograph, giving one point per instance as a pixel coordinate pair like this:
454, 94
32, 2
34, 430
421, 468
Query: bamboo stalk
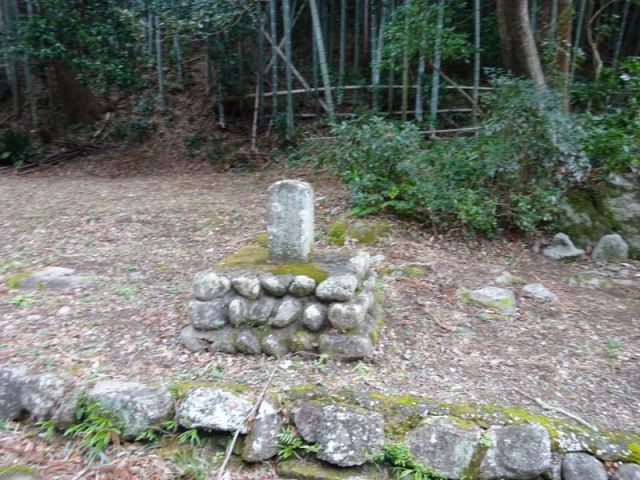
323, 59
286, 24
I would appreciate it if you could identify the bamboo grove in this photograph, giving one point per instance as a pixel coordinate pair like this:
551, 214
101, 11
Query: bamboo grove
282, 61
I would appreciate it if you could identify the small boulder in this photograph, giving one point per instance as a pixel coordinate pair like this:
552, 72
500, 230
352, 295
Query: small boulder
582, 466
11, 380
262, 441
359, 265
345, 347
238, 311
347, 315
133, 406
247, 342
521, 452
260, 310
303, 341
539, 291
222, 340
274, 345
627, 471
347, 436
611, 249
562, 248
210, 285
276, 286
41, 394
54, 278
444, 445
289, 310
247, 286
213, 409
208, 315
314, 316
496, 298
302, 286
338, 288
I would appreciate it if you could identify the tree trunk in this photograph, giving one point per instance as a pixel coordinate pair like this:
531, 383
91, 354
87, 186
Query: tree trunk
342, 46
273, 25
435, 77
159, 66
322, 56
286, 25
476, 56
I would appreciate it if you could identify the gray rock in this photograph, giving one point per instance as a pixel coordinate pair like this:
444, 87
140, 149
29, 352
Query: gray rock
496, 298
555, 470
347, 436
210, 285
345, 347
247, 286
359, 265
289, 310
627, 471
64, 414
41, 394
314, 316
18, 475
562, 248
247, 342
444, 446
213, 409
290, 221
262, 309
611, 249
582, 466
190, 339
64, 311
303, 341
338, 288
539, 291
509, 280
274, 345
347, 316
302, 286
262, 441
222, 340
239, 311
54, 278
11, 380
276, 286
520, 452
208, 315
133, 406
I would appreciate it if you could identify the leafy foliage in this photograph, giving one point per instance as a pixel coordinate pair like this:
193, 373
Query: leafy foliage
290, 441
17, 147
403, 465
94, 427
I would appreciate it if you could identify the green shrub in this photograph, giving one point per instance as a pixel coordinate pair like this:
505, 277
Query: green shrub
403, 465
16, 147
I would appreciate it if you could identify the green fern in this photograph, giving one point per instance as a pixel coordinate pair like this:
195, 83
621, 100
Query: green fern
403, 465
94, 429
290, 441
48, 429
192, 437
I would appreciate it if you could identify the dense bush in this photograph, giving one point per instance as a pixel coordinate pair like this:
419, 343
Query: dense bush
509, 176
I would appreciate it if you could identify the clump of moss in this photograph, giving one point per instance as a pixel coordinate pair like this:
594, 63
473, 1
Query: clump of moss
261, 239
251, 254
310, 270
364, 232
336, 233
634, 453
17, 469
13, 281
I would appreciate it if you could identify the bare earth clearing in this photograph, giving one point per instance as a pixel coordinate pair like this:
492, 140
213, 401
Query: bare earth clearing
145, 236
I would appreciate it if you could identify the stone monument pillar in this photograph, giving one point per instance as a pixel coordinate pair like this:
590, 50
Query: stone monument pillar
290, 221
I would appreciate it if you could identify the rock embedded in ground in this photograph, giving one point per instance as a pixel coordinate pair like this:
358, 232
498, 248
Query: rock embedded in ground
347, 315
133, 406
213, 409
627, 471
290, 221
248, 342
262, 441
509, 279
302, 286
347, 436
41, 394
314, 316
303, 341
338, 288
520, 452
539, 291
11, 381
222, 340
611, 249
54, 278
345, 347
443, 445
274, 345
64, 311
562, 248
210, 285
582, 466
276, 286
247, 286
208, 315
496, 298
289, 310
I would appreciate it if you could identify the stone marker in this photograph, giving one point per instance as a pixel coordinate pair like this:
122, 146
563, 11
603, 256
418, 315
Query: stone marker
290, 221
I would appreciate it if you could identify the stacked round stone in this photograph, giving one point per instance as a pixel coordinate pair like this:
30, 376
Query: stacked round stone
257, 313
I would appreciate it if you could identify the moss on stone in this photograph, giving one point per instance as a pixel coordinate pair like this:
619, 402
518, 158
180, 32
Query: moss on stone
251, 254
13, 281
311, 270
634, 453
179, 389
306, 470
364, 232
261, 239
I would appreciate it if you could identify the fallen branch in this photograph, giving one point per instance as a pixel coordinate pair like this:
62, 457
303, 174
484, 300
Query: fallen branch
435, 320
545, 406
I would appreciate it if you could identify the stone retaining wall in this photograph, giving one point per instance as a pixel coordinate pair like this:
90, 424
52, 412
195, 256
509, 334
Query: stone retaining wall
348, 429
249, 309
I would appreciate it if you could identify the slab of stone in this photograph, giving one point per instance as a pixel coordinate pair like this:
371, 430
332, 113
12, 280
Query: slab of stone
262, 441
520, 452
210, 285
314, 316
276, 285
54, 278
562, 248
627, 471
247, 286
582, 466
289, 310
611, 249
133, 406
347, 315
41, 394
290, 221
539, 291
338, 288
345, 347
347, 435
302, 286
208, 315
305, 470
443, 445
11, 381
496, 298
213, 409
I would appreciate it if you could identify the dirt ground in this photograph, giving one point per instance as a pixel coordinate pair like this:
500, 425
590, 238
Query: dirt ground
144, 236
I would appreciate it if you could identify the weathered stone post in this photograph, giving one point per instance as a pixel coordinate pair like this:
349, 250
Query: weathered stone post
290, 221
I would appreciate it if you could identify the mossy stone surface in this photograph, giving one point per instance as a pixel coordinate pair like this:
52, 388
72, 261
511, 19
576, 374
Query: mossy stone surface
363, 231
307, 470
13, 281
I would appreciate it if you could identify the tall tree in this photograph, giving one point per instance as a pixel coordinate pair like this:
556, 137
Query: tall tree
286, 25
322, 56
